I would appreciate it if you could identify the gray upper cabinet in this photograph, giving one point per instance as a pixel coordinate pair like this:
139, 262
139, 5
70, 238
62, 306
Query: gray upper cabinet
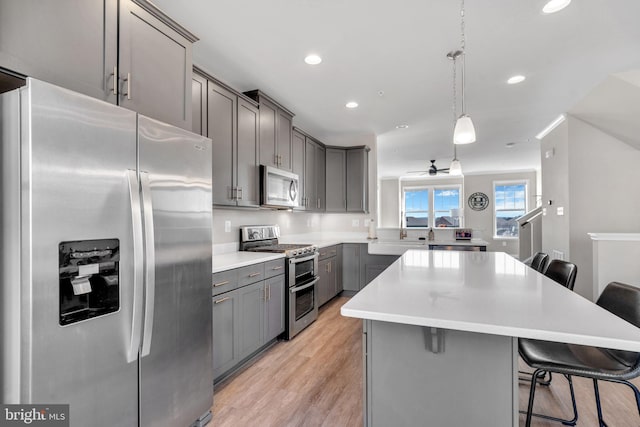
247, 176
336, 190
70, 43
314, 175
155, 64
232, 125
357, 174
275, 131
82, 45
221, 113
297, 163
199, 104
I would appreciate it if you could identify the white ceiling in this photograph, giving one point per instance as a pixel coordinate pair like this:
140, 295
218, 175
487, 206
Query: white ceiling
399, 47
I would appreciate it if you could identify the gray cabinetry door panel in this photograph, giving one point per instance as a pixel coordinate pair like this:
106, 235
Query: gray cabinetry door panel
224, 281
336, 197
70, 43
226, 320
251, 318
250, 274
268, 114
273, 268
321, 177
274, 307
155, 67
357, 180
247, 162
310, 175
283, 134
324, 282
199, 104
221, 111
351, 266
298, 163
339, 268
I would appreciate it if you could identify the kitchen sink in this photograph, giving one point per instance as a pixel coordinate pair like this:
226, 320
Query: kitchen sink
396, 247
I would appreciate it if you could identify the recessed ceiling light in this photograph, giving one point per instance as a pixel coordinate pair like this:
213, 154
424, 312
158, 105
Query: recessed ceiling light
516, 79
554, 6
351, 104
402, 126
313, 59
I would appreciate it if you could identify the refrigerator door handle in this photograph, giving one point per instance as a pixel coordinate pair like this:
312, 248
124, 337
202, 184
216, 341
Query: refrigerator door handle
150, 264
136, 222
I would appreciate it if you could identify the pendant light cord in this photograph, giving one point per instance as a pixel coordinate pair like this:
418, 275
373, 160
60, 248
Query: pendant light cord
462, 48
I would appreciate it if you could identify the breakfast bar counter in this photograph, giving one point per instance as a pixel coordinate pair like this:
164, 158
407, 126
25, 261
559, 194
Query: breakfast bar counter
441, 329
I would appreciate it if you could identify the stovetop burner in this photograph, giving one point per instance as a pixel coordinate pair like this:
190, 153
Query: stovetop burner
264, 238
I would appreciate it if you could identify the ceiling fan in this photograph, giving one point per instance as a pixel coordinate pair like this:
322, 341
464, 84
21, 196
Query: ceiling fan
432, 171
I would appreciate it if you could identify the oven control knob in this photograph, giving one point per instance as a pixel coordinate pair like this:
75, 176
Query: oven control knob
294, 252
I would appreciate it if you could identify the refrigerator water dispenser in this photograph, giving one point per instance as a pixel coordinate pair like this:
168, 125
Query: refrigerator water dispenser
88, 278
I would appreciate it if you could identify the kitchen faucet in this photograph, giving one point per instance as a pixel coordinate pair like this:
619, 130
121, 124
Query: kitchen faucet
403, 232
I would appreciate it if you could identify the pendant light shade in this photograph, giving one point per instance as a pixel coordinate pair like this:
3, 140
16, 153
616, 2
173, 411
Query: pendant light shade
464, 132
455, 169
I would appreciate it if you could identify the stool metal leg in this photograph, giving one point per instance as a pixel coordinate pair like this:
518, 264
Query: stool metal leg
538, 375
598, 404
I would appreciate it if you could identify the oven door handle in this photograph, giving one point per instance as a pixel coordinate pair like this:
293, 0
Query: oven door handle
307, 258
305, 286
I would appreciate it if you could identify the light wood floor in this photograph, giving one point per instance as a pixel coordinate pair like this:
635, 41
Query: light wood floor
316, 380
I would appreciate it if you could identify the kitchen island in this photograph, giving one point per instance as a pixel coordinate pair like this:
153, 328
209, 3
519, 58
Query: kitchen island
440, 336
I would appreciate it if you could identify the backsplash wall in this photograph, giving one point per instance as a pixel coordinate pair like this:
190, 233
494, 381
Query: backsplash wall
289, 222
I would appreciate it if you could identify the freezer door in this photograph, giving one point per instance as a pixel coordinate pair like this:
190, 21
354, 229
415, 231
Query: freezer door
176, 380
75, 154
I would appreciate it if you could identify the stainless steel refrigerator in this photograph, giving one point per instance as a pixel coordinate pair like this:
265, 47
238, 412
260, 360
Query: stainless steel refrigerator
105, 262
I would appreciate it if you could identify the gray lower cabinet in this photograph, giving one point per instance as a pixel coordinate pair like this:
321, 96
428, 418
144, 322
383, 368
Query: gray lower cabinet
351, 266
226, 320
248, 313
328, 274
359, 267
274, 307
336, 179
126, 52
232, 124
251, 318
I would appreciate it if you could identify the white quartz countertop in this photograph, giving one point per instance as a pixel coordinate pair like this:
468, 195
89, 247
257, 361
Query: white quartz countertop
239, 259
487, 292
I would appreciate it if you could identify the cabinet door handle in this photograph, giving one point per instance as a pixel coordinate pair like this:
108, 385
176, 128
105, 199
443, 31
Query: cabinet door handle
221, 300
115, 80
128, 80
264, 292
277, 268
239, 196
269, 288
329, 266
323, 253
254, 274
215, 285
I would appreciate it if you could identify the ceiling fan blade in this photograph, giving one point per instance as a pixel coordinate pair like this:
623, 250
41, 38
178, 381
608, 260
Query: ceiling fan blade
422, 171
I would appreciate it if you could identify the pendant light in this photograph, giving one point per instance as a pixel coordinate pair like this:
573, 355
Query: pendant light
455, 169
464, 132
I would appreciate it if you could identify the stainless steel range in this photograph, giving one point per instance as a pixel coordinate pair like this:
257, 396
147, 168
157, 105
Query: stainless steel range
302, 273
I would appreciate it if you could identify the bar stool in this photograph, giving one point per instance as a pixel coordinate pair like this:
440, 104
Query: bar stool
589, 362
537, 261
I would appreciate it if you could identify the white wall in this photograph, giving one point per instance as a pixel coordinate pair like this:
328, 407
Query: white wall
595, 177
389, 203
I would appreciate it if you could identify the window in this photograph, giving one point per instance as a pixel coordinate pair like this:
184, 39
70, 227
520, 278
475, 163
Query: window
432, 207
416, 207
510, 204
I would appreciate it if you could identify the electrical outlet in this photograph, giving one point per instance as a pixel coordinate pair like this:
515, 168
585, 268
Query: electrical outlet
227, 226
560, 211
504, 243
355, 223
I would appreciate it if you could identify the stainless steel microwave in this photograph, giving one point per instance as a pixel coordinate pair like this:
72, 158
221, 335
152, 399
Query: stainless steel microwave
278, 188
